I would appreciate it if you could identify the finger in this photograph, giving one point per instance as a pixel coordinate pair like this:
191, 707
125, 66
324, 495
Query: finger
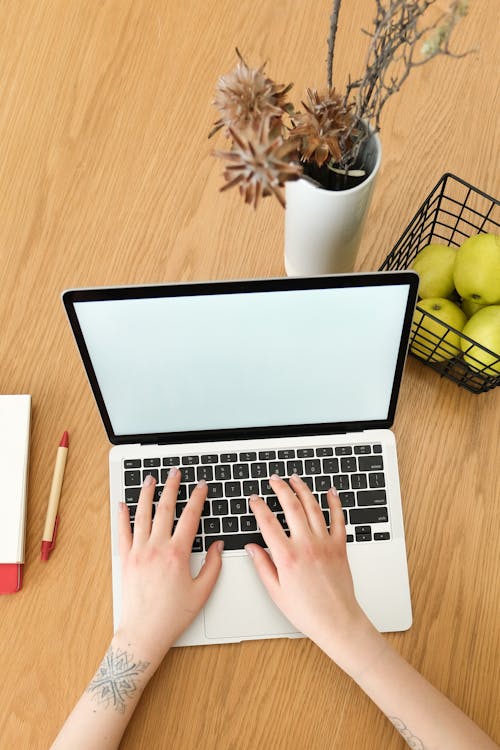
143, 514
270, 528
207, 577
165, 510
124, 530
337, 525
188, 523
292, 507
266, 569
311, 507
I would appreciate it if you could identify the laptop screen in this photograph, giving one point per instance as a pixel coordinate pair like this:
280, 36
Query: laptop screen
244, 358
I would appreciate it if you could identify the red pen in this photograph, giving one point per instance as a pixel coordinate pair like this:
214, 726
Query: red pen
52, 518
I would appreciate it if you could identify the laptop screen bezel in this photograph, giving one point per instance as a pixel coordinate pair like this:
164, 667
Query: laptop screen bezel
71, 297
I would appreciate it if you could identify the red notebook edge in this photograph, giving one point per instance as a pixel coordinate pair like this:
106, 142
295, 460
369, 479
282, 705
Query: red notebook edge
11, 577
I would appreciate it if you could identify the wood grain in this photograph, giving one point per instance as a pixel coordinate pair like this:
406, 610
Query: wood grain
106, 177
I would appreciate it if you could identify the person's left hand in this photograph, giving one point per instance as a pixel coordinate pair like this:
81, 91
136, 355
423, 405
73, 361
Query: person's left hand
160, 597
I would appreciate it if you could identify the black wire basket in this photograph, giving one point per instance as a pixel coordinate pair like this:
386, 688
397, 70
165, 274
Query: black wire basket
453, 211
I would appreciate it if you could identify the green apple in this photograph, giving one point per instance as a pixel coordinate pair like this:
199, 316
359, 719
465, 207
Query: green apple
434, 265
483, 327
477, 269
433, 340
470, 307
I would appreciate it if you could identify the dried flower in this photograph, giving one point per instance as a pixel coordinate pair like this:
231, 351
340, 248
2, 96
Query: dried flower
245, 97
324, 127
259, 164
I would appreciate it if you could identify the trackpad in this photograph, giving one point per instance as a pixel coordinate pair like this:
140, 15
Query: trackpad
240, 606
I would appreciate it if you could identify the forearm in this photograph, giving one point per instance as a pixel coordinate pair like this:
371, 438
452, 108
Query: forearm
101, 715
423, 715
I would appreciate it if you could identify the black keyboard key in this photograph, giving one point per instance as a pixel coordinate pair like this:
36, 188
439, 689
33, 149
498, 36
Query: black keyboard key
381, 536
363, 537
277, 467
182, 493
313, 466
323, 484
149, 463
326, 514
358, 482
197, 544
309, 481
282, 519
343, 450
228, 458
171, 461
190, 460
369, 515
286, 454
349, 537
206, 509
188, 474
211, 525
251, 488
377, 449
248, 523
330, 465
132, 463
210, 458
371, 497
274, 504
132, 494
204, 472
305, 453
132, 511
376, 479
223, 471
150, 472
259, 470
132, 477
348, 465
265, 487
232, 489
346, 499
230, 525
239, 506
236, 541
362, 530
220, 507
215, 490
341, 481
371, 463
321, 452
362, 449
267, 455
248, 456
179, 507
241, 471
295, 467
158, 492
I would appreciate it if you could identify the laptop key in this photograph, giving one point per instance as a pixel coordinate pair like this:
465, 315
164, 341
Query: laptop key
358, 482
179, 507
204, 472
211, 525
232, 489
265, 487
235, 541
239, 506
228, 458
230, 525
371, 463
341, 481
215, 490
346, 499
369, 515
131, 494
223, 471
288, 453
323, 484
132, 477
321, 452
210, 458
381, 535
343, 450
371, 497
171, 461
267, 455
295, 467
274, 504
190, 460
259, 470
197, 544
152, 472
305, 453
251, 487
313, 466
248, 456
150, 462
376, 479
132, 463
277, 467
187, 474
348, 465
241, 471
220, 507
377, 449
362, 449
330, 465
248, 523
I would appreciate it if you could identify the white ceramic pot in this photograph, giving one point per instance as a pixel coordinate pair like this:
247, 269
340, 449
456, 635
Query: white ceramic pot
323, 228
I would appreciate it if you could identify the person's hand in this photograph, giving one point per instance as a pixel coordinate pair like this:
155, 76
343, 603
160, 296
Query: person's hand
308, 575
160, 597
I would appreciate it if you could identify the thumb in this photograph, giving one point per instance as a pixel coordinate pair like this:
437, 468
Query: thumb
209, 572
266, 569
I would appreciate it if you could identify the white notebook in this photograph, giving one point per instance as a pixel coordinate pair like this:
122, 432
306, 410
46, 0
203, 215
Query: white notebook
14, 451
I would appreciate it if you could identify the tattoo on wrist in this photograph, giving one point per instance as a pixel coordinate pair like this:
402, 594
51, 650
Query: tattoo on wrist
410, 738
115, 681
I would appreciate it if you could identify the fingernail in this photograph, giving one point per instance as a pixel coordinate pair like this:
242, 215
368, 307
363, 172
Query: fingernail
220, 547
294, 476
274, 477
253, 498
173, 471
334, 490
249, 551
149, 480
202, 483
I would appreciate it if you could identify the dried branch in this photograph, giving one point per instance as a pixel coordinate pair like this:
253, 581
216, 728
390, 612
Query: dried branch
334, 19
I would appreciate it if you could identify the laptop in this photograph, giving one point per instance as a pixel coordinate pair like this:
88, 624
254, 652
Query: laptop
233, 381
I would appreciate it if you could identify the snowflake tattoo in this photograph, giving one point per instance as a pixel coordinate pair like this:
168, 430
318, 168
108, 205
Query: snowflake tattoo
114, 681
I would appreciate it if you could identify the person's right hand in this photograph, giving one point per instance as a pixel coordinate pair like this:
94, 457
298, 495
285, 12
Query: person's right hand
307, 574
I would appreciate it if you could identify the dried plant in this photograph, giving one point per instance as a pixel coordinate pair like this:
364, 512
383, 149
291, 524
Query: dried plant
272, 143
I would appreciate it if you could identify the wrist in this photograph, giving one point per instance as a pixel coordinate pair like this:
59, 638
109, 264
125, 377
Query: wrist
136, 649
356, 646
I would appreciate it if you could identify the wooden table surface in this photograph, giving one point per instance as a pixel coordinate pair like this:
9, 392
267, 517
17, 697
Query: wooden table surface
106, 177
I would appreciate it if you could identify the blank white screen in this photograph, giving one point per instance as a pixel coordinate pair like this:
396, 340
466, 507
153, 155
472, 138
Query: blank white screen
225, 361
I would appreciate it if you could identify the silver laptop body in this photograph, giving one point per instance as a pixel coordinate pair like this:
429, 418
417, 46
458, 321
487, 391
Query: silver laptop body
265, 367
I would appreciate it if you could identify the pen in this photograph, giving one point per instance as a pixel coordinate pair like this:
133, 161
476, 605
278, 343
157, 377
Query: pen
52, 518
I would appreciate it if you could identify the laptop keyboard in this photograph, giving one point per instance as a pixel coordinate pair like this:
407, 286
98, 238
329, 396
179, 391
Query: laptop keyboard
357, 471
